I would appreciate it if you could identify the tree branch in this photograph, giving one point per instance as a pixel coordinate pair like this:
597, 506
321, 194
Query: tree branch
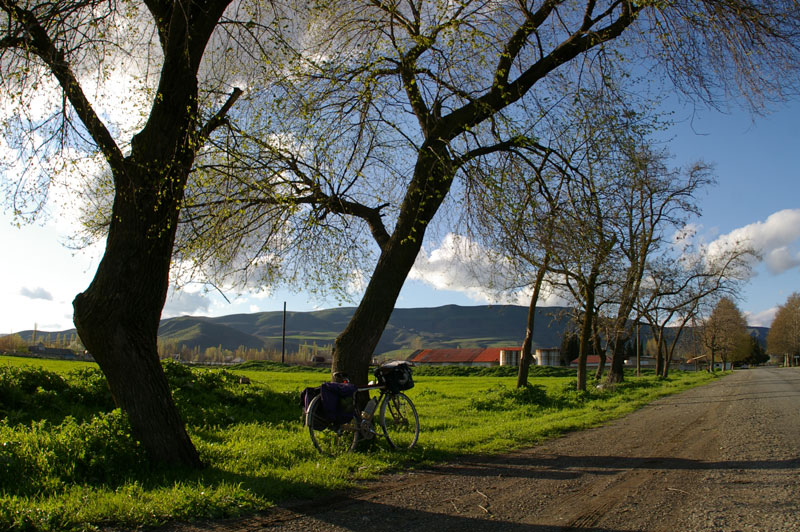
219, 118
42, 45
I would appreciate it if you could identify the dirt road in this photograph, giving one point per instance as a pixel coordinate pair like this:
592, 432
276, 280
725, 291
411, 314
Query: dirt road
723, 457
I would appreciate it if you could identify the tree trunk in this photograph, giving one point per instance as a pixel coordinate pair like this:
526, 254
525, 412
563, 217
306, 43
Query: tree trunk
527, 344
601, 366
117, 318
354, 347
583, 350
658, 335
617, 372
599, 351
585, 338
588, 324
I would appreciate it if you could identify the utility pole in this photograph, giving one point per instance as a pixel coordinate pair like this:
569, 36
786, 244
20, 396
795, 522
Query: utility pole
283, 338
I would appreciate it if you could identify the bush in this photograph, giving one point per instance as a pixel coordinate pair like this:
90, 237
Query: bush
219, 398
502, 398
41, 458
30, 394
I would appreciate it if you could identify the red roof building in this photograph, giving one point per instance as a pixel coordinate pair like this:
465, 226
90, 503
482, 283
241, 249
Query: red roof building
490, 356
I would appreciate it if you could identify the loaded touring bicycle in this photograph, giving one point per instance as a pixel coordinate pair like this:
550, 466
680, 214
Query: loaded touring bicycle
336, 423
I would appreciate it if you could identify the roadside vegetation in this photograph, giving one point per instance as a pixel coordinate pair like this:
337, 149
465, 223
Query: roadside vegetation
68, 461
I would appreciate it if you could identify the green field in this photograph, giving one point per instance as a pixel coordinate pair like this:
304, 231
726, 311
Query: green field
68, 462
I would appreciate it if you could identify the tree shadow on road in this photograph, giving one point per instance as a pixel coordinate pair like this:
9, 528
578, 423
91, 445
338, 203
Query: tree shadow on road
561, 467
359, 515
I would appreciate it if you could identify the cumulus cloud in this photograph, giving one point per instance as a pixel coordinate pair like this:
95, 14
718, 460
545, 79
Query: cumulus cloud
183, 302
776, 239
461, 265
457, 264
36, 293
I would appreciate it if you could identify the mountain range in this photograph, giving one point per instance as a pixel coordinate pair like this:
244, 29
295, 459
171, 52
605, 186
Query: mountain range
447, 326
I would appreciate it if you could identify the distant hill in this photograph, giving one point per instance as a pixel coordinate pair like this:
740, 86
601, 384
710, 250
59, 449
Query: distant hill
408, 328
447, 326
200, 332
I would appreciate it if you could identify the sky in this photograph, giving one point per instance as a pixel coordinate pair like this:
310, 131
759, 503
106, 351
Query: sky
757, 165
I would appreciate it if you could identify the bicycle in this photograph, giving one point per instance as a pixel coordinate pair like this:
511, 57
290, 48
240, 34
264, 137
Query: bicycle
396, 414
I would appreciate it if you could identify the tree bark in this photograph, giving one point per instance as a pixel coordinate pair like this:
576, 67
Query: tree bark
586, 327
659, 355
599, 351
617, 372
527, 345
354, 347
117, 317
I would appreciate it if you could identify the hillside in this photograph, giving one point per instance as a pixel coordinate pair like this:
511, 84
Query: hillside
408, 328
446, 326
415, 328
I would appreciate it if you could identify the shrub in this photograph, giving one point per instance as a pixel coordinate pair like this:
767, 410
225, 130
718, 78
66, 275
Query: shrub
218, 398
32, 394
41, 458
502, 398
267, 365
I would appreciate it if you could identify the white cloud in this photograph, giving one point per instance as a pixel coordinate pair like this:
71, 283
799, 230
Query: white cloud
461, 265
776, 239
781, 259
457, 264
184, 302
684, 235
356, 284
36, 293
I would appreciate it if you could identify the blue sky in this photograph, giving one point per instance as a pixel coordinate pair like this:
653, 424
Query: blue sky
757, 164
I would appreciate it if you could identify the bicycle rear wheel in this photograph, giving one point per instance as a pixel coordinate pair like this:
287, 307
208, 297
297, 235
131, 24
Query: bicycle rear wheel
327, 437
399, 421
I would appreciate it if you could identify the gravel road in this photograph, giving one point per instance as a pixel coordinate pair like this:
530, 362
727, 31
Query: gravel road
722, 457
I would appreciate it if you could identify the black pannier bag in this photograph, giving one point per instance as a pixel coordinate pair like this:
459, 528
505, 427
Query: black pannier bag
306, 396
338, 401
395, 375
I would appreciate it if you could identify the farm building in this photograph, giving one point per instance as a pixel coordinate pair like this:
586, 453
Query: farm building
482, 357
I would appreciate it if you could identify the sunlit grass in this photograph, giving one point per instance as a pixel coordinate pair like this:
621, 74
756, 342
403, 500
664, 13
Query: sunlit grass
70, 464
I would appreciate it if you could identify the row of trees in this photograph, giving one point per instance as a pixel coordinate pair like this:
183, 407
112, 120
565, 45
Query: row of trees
15, 342
11, 343
591, 216
720, 337
357, 121
304, 354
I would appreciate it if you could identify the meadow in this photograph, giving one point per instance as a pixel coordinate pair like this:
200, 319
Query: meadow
68, 461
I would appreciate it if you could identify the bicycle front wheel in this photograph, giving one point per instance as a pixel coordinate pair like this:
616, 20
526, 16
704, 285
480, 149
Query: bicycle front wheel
399, 421
329, 438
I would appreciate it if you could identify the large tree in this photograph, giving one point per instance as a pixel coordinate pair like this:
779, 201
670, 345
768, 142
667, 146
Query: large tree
725, 333
784, 334
72, 44
387, 112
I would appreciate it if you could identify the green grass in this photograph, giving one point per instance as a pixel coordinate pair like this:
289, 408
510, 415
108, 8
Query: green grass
68, 462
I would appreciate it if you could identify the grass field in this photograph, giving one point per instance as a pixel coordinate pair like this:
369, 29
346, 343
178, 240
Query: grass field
68, 462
